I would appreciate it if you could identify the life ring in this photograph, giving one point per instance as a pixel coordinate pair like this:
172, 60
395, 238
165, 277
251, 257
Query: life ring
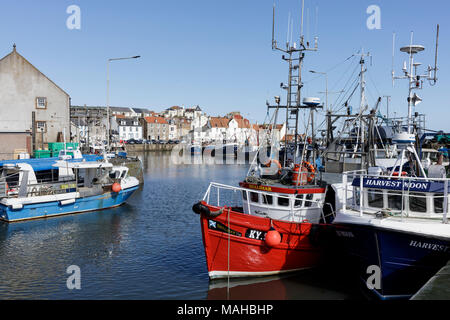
269, 163
311, 170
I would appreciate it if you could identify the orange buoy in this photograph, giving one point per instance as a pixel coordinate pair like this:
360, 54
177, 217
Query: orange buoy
116, 187
273, 238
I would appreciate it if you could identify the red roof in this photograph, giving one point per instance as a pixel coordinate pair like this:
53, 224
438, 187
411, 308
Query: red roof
218, 122
243, 123
160, 120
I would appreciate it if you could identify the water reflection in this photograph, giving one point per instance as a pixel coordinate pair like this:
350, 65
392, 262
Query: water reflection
150, 248
306, 285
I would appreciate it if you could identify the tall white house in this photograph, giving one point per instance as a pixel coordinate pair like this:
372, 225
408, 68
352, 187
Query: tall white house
30, 103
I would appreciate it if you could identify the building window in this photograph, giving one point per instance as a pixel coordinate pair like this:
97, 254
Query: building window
41, 103
41, 126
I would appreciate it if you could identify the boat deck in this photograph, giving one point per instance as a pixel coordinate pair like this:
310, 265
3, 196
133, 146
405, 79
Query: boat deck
437, 288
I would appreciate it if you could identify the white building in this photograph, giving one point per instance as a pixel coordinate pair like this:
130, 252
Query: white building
129, 129
30, 102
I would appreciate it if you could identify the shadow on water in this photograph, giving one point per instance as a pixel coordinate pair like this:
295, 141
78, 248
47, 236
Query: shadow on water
149, 248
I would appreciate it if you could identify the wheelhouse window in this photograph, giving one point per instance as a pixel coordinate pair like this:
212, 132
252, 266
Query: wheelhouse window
267, 199
244, 195
41, 103
356, 196
254, 197
438, 200
375, 198
308, 200
395, 200
417, 202
284, 202
299, 200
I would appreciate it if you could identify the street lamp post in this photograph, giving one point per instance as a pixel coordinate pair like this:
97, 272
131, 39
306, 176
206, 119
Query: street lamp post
108, 122
326, 86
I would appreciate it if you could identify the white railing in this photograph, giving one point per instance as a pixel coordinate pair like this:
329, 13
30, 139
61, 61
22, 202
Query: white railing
349, 176
293, 211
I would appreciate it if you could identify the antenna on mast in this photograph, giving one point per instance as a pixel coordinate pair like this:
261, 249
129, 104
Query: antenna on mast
274, 43
301, 24
414, 78
435, 57
393, 54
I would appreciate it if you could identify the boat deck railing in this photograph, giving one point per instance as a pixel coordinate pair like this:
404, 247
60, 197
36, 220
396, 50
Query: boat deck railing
402, 197
217, 195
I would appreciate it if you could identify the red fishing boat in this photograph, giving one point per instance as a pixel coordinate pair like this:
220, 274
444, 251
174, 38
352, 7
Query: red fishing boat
274, 220
278, 229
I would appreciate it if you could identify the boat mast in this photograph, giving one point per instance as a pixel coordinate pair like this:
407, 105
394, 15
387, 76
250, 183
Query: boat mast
295, 56
415, 82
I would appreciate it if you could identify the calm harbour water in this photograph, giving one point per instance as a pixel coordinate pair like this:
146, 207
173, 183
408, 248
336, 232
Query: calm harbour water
150, 248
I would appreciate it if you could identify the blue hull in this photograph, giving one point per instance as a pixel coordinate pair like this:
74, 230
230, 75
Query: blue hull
407, 261
49, 209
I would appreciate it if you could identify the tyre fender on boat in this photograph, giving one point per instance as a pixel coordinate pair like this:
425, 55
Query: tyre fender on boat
201, 208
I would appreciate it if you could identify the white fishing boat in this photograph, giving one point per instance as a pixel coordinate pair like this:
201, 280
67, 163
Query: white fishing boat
396, 221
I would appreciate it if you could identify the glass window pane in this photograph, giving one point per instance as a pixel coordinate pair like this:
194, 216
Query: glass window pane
267, 199
299, 200
375, 198
438, 203
283, 202
254, 197
395, 200
417, 202
308, 199
244, 195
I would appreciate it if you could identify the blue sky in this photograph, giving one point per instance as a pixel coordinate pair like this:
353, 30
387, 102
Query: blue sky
217, 54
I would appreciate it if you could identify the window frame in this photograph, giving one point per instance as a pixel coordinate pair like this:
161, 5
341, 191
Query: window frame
37, 106
38, 130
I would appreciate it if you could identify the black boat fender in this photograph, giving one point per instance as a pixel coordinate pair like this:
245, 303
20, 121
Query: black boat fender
200, 208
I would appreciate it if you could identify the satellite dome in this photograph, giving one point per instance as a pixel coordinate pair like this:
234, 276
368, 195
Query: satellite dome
311, 101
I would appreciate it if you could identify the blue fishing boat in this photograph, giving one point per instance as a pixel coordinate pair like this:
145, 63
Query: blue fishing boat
394, 223
78, 187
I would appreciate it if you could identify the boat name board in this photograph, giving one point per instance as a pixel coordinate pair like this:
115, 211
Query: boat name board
399, 185
282, 190
257, 187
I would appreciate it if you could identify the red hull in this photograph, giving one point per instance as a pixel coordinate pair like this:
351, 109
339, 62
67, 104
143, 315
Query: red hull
249, 254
